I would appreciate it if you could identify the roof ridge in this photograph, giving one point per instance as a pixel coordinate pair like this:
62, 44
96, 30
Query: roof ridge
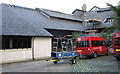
32, 9
100, 9
53, 11
46, 12
56, 11
20, 7
93, 8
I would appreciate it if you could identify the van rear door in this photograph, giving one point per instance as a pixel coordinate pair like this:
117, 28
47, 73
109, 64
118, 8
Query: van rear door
82, 46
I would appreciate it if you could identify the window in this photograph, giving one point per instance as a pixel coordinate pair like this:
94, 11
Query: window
82, 44
117, 41
109, 20
97, 43
16, 42
5, 43
28, 42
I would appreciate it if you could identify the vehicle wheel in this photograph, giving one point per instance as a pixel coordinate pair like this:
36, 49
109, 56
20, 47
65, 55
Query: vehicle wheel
118, 58
106, 53
74, 61
95, 55
55, 62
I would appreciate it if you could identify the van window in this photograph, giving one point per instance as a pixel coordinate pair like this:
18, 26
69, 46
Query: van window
82, 44
117, 41
97, 43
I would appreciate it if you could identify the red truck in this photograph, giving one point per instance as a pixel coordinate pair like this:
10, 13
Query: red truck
90, 46
116, 45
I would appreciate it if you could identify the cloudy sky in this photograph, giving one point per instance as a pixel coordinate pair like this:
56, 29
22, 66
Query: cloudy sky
65, 6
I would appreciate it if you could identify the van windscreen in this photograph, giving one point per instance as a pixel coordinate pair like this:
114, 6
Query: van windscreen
82, 44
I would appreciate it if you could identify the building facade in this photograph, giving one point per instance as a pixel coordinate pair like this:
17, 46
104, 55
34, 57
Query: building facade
27, 33
96, 19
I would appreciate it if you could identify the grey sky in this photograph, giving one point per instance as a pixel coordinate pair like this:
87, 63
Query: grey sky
65, 6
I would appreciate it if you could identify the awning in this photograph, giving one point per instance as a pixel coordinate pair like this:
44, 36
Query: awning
94, 20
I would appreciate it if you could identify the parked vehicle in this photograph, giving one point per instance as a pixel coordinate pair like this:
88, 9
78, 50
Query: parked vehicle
116, 45
90, 46
62, 49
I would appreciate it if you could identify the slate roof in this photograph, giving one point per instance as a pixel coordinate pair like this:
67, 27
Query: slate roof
100, 9
18, 20
61, 15
102, 25
101, 14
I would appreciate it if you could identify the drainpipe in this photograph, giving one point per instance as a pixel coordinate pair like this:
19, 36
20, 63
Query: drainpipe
33, 48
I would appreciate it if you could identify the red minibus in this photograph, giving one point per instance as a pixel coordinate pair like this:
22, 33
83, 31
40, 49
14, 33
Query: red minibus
91, 46
116, 45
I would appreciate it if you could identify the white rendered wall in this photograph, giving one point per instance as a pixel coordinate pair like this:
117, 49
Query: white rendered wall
15, 55
42, 47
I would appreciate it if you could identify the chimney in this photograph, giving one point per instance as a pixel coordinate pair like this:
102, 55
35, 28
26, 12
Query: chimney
84, 7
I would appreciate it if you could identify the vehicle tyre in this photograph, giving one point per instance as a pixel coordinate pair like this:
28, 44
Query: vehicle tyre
55, 62
74, 61
95, 55
118, 58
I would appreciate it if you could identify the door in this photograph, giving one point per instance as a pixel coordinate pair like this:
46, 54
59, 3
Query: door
104, 48
97, 46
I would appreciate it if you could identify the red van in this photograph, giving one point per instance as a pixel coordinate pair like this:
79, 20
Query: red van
116, 45
91, 46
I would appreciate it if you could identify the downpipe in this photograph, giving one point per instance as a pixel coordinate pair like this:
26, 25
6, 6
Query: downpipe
33, 55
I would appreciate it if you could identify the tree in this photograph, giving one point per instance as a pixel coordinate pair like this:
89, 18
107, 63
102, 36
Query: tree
108, 31
116, 17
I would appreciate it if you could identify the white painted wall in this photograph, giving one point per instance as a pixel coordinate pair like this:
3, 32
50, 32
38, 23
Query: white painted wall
42, 50
42, 47
15, 55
